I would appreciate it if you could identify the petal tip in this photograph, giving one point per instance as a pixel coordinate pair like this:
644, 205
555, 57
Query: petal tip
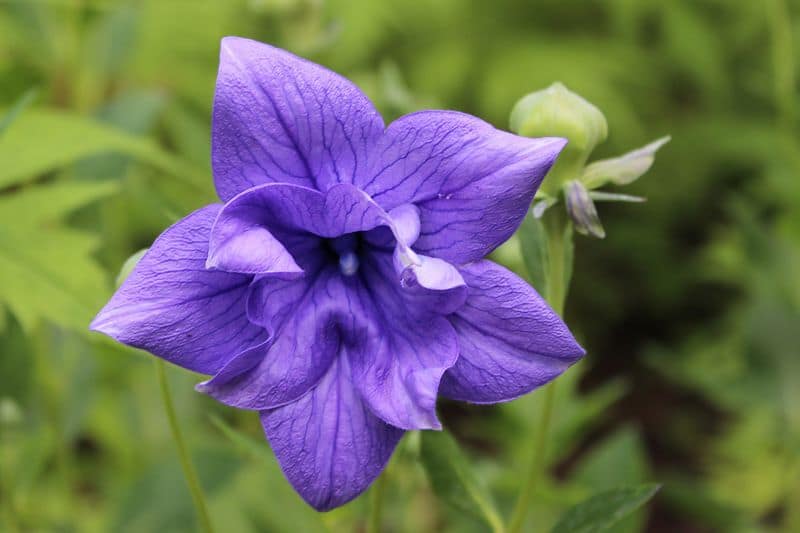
101, 324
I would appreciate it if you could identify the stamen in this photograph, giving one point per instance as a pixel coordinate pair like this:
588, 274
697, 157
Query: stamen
348, 263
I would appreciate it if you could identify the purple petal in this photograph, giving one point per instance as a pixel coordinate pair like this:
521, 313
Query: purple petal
290, 208
239, 244
431, 282
510, 340
306, 316
267, 228
328, 443
471, 182
406, 223
398, 361
173, 307
281, 119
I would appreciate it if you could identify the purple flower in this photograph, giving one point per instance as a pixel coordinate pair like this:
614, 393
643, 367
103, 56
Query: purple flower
341, 286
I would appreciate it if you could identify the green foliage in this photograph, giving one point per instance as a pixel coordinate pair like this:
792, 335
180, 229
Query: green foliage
601, 511
46, 266
44, 140
452, 478
11, 115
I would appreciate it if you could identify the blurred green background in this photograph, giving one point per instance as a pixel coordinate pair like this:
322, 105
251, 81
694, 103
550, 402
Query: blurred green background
689, 309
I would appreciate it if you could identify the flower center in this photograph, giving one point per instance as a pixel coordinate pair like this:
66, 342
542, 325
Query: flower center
346, 248
348, 263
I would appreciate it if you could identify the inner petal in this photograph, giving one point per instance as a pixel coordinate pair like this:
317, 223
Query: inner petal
300, 219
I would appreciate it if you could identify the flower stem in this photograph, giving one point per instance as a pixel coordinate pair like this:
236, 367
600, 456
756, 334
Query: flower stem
559, 268
780, 24
536, 464
779, 21
189, 472
376, 504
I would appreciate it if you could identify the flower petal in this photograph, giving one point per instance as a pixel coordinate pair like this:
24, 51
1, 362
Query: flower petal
510, 340
267, 228
472, 182
171, 306
239, 244
281, 119
328, 443
431, 282
399, 359
307, 317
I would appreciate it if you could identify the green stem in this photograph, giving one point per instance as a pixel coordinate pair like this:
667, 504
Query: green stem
376, 504
536, 465
189, 472
559, 268
780, 24
6, 483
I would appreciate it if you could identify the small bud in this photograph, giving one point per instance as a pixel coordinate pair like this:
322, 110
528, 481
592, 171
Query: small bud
559, 112
582, 211
10, 413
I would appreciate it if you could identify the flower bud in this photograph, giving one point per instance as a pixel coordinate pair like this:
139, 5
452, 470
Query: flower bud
10, 413
559, 112
581, 210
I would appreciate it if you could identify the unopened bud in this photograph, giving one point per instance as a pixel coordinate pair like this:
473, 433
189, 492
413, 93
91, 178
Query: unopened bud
559, 112
582, 210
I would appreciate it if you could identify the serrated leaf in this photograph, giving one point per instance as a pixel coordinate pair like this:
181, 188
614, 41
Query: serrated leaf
603, 510
46, 268
42, 140
533, 242
624, 169
452, 478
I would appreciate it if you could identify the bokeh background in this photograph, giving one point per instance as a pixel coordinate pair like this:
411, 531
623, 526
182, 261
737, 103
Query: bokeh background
690, 308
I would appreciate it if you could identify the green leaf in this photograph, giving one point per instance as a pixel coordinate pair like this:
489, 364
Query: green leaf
452, 478
603, 510
624, 169
568, 245
47, 268
43, 140
533, 242
243, 442
23, 102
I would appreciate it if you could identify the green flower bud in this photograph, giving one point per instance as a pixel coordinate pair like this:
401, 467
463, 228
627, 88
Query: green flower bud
559, 112
10, 413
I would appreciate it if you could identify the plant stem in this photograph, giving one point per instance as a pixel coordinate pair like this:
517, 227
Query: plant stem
536, 464
189, 472
6, 483
780, 23
559, 270
376, 503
